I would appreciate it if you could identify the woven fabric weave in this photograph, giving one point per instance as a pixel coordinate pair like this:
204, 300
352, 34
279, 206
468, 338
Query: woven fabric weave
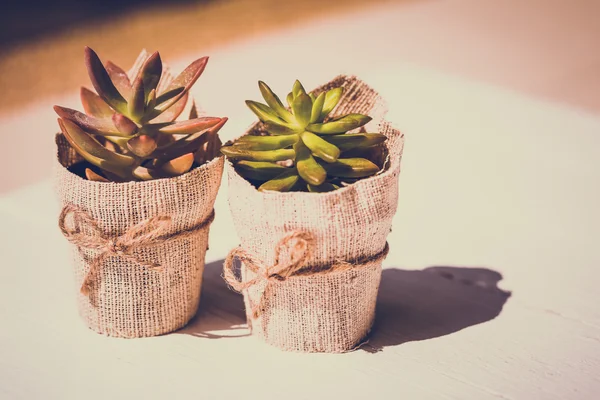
129, 300
323, 312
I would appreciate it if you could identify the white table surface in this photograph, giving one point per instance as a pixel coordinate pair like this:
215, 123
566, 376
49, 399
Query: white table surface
491, 180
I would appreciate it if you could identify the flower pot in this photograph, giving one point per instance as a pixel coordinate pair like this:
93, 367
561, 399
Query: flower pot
138, 247
311, 262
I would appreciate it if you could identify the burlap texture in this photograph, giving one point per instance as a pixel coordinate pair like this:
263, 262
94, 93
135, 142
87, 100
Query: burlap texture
323, 312
128, 299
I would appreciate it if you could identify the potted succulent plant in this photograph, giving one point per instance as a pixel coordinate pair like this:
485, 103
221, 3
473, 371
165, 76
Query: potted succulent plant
137, 188
312, 193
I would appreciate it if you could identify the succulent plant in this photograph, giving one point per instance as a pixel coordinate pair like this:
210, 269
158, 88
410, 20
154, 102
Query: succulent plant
304, 149
129, 129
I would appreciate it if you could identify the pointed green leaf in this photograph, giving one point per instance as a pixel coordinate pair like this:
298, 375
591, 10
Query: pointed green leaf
93, 104
236, 153
280, 128
302, 107
298, 89
332, 98
258, 170
263, 112
102, 82
351, 168
274, 102
262, 143
282, 182
171, 114
320, 147
308, 168
350, 141
340, 125
317, 108
290, 99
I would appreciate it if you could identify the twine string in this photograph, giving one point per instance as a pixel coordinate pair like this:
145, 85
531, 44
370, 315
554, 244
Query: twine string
148, 233
297, 247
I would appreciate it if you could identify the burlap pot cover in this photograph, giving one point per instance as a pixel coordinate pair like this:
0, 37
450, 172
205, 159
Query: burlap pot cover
328, 303
147, 242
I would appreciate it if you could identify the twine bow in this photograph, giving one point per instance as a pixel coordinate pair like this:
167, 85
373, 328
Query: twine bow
298, 246
147, 233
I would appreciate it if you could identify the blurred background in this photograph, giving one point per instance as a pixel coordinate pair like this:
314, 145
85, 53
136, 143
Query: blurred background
548, 49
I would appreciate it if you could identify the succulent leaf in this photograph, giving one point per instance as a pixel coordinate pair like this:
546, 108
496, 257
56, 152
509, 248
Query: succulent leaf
340, 125
104, 126
274, 102
263, 112
185, 80
179, 165
142, 145
320, 147
90, 149
298, 89
187, 144
290, 99
119, 78
332, 98
356, 140
184, 127
282, 182
259, 170
93, 104
92, 176
302, 107
266, 142
281, 128
308, 168
137, 102
175, 111
317, 108
124, 125
351, 168
150, 73
102, 82
236, 153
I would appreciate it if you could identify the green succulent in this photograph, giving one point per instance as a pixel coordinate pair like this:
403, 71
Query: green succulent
303, 151
129, 129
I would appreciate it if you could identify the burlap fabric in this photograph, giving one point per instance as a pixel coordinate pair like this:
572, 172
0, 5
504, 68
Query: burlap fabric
326, 304
151, 236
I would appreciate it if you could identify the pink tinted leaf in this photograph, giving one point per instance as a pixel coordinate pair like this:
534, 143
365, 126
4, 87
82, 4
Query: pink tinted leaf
100, 126
185, 127
179, 165
124, 124
173, 112
137, 102
142, 146
93, 104
186, 80
119, 78
102, 82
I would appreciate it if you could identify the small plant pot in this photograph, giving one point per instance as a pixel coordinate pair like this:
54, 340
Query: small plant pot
311, 262
138, 247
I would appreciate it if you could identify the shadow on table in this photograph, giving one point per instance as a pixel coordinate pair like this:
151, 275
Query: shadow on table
434, 302
220, 308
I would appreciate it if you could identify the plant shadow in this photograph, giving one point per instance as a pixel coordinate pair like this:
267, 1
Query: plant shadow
437, 301
220, 309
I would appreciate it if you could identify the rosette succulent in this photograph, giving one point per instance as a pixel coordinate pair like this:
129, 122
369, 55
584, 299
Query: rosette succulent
304, 150
130, 131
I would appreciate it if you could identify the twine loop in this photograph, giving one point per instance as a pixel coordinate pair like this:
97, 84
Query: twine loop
291, 255
85, 233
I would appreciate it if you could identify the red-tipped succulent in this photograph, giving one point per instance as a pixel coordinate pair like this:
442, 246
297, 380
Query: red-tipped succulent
130, 131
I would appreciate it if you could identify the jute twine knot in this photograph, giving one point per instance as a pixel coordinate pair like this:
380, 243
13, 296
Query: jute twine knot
297, 247
148, 233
